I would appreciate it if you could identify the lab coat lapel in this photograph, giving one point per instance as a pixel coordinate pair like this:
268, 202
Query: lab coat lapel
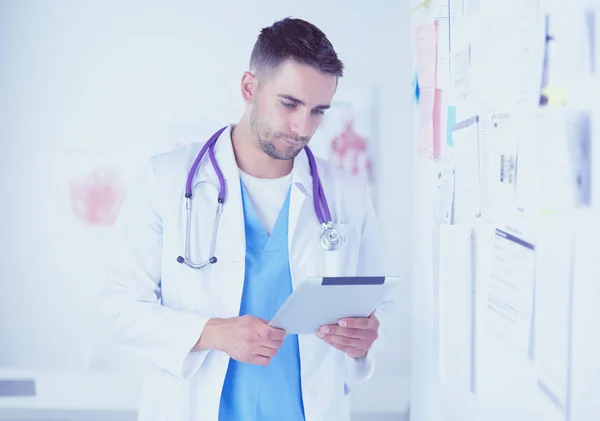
304, 261
230, 247
300, 198
233, 211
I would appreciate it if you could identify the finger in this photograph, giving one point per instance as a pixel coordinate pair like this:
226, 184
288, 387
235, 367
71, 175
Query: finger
360, 323
265, 351
276, 334
271, 333
343, 340
349, 350
259, 360
345, 331
272, 344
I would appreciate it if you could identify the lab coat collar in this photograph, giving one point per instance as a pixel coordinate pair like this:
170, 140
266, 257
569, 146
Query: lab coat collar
302, 176
225, 155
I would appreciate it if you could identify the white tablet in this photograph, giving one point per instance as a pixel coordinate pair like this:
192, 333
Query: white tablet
321, 301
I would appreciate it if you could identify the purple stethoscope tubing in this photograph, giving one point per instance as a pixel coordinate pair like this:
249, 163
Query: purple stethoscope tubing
330, 239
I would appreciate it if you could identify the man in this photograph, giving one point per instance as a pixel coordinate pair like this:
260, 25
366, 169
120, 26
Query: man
205, 331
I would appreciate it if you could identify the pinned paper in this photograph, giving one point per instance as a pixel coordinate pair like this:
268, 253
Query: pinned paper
590, 23
437, 121
425, 38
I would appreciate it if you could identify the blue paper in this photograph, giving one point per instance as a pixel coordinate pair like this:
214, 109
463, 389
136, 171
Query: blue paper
450, 125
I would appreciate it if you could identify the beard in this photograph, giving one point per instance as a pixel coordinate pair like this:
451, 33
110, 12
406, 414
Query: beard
268, 139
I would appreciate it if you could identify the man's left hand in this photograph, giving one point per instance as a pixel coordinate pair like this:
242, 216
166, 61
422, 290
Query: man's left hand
353, 336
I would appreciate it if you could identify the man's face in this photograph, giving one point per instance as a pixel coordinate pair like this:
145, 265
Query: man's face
288, 108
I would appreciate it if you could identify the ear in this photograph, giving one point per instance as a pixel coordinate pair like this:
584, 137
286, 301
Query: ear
249, 87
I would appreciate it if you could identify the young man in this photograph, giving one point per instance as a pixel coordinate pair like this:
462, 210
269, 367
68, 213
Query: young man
205, 330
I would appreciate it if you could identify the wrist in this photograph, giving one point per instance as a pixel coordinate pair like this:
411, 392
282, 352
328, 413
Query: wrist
209, 339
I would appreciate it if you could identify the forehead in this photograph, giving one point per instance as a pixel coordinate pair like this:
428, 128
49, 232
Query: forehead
303, 82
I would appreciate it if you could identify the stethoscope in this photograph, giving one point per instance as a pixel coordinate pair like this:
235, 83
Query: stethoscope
330, 238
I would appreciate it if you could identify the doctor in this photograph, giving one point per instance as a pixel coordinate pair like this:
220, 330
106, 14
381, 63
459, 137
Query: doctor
203, 327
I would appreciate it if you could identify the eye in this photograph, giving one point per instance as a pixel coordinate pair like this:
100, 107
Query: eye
288, 104
319, 112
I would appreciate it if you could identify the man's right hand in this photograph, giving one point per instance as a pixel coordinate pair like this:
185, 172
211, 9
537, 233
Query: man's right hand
246, 339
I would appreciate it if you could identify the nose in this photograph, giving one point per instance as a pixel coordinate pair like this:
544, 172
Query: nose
301, 124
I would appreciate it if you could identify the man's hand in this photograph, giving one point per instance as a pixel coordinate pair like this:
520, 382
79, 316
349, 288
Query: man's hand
353, 336
246, 339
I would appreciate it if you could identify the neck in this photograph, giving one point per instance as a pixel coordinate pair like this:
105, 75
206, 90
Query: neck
250, 157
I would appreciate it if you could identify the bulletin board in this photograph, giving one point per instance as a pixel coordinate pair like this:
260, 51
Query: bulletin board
507, 209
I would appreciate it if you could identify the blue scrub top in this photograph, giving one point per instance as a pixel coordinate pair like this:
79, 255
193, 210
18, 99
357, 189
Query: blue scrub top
273, 392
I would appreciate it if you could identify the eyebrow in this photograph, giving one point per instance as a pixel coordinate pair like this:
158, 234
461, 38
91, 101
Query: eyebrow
300, 102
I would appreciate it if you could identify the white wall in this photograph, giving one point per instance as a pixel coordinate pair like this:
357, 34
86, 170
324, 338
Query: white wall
135, 78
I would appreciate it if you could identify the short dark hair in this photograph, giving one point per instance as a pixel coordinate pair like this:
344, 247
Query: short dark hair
296, 40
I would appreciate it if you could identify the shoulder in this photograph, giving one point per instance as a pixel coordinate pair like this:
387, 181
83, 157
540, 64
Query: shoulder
173, 160
172, 167
341, 179
348, 195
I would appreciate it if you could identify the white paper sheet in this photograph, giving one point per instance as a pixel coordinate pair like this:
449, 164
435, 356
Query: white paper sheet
459, 49
440, 8
506, 65
499, 190
467, 201
443, 54
444, 195
579, 132
441, 14
554, 257
590, 26
471, 7
486, 155
456, 307
510, 287
426, 126
563, 159
569, 51
556, 190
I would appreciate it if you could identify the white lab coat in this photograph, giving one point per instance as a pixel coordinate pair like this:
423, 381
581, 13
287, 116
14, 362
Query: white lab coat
158, 307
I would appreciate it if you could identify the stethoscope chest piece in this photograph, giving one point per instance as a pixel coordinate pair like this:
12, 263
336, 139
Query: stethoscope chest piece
330, 238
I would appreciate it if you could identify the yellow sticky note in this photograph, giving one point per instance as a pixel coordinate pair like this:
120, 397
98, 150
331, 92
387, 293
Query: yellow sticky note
424, 3
556, 95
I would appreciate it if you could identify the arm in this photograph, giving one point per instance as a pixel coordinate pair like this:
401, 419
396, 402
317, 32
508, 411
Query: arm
131, 296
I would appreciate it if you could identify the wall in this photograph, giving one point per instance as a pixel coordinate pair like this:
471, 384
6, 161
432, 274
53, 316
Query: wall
129, 79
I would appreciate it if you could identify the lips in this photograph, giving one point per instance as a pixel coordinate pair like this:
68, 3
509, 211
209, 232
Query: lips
289, 141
